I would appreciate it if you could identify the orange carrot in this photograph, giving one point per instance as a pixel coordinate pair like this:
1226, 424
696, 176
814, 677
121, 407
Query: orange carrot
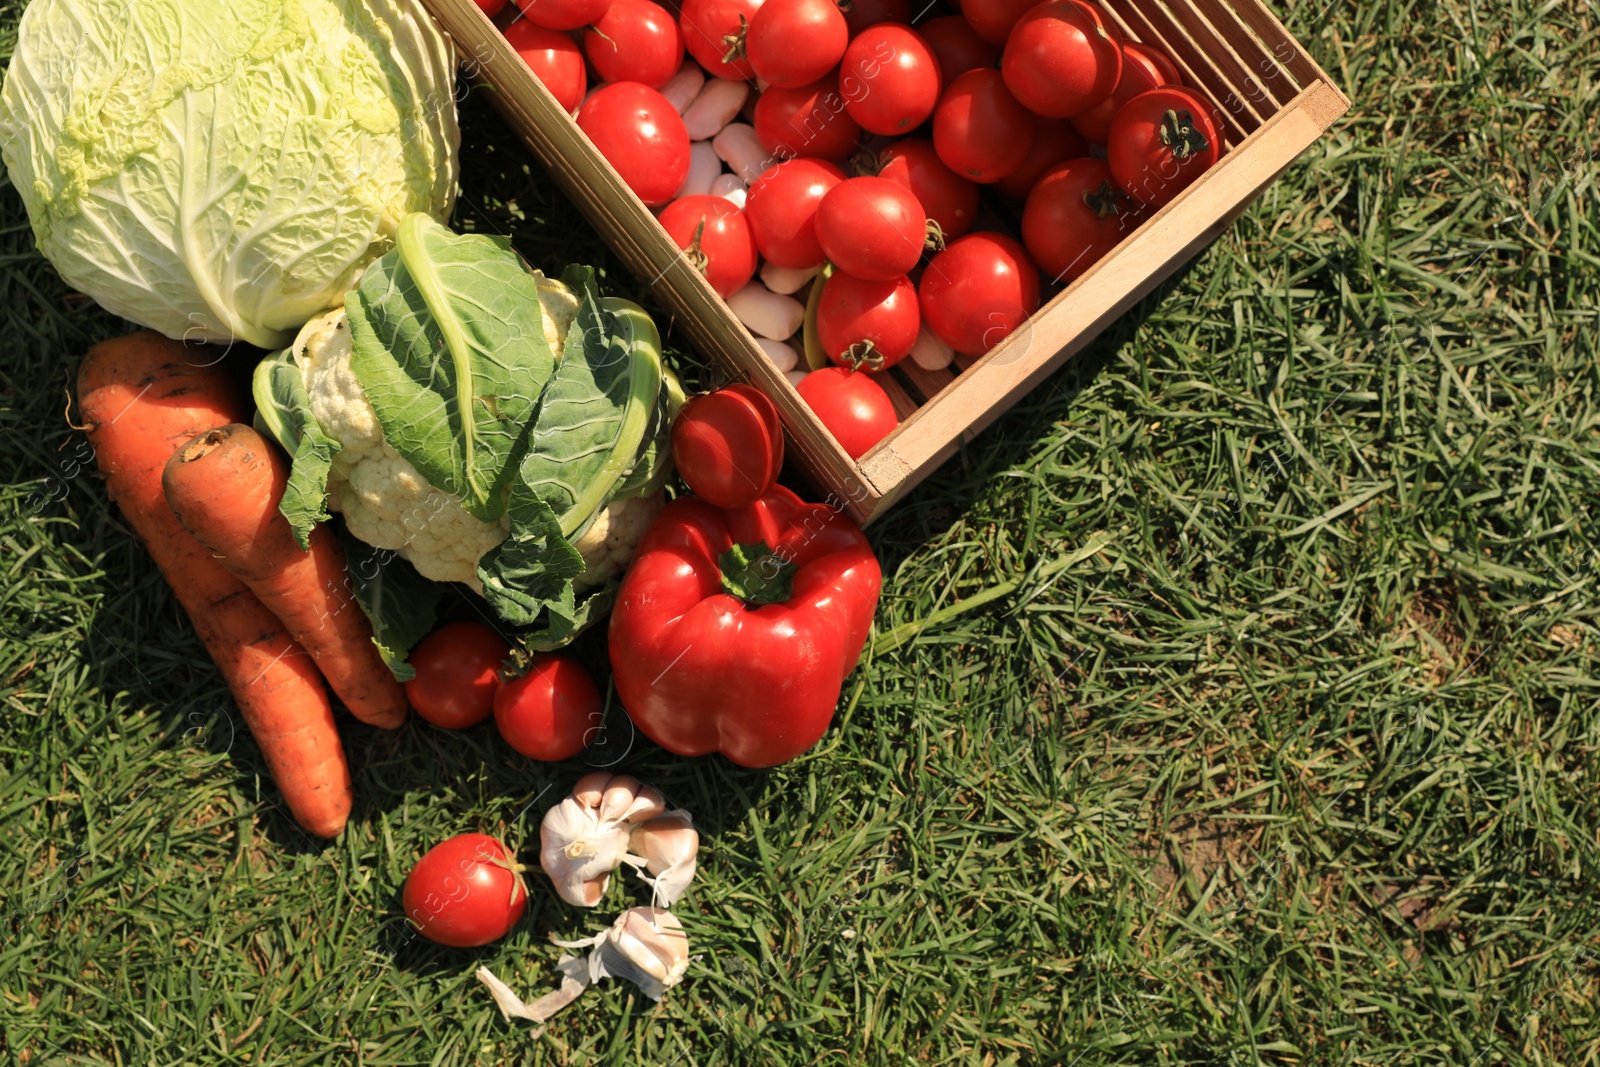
225, 486
142, 397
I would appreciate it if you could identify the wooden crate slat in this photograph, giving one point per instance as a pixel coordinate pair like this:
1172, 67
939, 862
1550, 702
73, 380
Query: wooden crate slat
1281, 42
930, 383
1156, 27
1255, 71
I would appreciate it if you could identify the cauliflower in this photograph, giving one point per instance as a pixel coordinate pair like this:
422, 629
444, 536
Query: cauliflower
387, 503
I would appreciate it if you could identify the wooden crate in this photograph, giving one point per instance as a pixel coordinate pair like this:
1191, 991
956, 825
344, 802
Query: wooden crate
1273, 100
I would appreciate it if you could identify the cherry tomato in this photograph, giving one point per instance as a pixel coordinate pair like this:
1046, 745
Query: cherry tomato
1160, 142
465, 892
728, 445
865, 13
549, 713
563, 14
956, 47
890, 79
992, 20
782, 211
1075, 215
635, 41
458, 673
866, 324
977, 291
980, 130
809, 121
1143, 69
713, 31
640, 134
795, 42
714, 232
949, 199
1062, 58
1054, 141
872, 228
853, 407
491, 8
554, 60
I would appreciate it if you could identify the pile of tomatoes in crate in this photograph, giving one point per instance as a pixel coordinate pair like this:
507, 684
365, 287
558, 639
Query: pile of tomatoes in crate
822, 162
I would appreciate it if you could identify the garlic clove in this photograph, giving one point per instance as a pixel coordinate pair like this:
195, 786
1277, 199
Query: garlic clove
670, 848
646, 946
619, 797
591, 787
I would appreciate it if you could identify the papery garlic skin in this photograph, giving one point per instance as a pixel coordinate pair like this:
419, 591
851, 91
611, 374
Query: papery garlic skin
586, 836
669, 848
645, 946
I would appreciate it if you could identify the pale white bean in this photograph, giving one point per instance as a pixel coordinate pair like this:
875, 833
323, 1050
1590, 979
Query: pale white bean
704, 167
714, 108
684, 86
930, 352
783, 356
766, 313
729, 187
740, 148
796, 376
785, 280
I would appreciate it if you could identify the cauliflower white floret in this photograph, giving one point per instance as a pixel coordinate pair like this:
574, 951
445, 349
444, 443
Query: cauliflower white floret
608, 544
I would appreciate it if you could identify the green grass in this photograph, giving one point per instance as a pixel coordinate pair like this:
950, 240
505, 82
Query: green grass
1302, 765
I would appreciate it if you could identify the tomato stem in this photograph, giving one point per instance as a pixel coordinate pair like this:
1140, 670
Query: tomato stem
1179, 134
1105, 201
735, 42
935, 239
863, 354
695, 254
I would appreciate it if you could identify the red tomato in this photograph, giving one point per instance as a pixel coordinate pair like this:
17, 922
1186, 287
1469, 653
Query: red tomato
465, 892
714, 232
458, 673
554, 60
492, 8
635, 41
977, 291
1160, 142
1062, 58
712, 30
864, 13
782, 211
1054, 141
992, 19
948, 198
548, 714
795, 42
890, 79
728, 445
809, 121
640, 134
980, 130
563, 14
866, 324
957, 48
872, 228
1143, 69
853, 407
1075, 215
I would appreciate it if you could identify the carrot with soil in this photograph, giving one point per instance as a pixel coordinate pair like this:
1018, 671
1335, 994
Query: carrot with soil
142, 397
225, 486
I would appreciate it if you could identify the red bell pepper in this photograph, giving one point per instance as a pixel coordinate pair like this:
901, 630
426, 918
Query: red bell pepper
734, 629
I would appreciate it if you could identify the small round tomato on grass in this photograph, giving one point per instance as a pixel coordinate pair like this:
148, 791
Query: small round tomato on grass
458, 674
465, 892
728, 445
1160, 142
853, 407
549, 713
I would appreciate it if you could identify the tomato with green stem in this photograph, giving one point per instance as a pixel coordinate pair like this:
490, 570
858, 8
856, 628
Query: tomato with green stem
716, 239
466, 892
865, 324
874, 228
714, 32
1074, 216
635, 41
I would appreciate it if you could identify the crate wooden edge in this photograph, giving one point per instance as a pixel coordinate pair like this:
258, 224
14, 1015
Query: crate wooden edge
1120, 280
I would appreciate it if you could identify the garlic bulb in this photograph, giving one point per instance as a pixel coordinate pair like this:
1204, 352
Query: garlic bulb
669, 848
585, 837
